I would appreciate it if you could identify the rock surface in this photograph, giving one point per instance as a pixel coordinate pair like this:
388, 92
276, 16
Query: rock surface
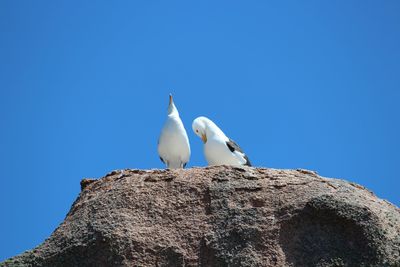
221, 216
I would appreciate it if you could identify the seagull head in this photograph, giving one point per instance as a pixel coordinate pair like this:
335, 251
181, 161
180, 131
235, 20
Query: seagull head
200, 128
172, 110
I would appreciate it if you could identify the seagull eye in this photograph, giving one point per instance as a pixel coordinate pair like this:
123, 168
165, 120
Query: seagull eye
197, 131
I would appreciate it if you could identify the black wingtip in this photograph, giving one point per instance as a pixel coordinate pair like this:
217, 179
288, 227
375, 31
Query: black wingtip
233, 146
230, 145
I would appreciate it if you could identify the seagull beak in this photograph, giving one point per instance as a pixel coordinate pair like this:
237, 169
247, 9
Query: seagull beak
204, 138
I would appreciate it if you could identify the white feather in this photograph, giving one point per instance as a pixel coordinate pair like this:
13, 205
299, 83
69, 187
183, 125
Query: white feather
216, 150
173, 144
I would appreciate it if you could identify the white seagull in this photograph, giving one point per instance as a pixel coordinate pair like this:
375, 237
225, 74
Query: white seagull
173, 144
218, 148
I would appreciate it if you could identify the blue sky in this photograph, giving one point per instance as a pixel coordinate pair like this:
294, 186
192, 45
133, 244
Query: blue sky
84, 90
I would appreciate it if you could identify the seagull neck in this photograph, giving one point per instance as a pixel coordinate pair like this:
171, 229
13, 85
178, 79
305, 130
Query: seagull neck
215, 132
172, 111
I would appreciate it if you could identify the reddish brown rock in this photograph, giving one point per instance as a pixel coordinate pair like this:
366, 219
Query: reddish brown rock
222, 216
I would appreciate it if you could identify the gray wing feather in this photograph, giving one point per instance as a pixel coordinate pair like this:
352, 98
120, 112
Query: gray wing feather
235, 147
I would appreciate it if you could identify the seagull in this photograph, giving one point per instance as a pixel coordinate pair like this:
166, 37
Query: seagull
173, 144
218, 148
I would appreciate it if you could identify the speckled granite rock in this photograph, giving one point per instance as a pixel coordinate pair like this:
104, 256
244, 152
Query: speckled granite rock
221, 216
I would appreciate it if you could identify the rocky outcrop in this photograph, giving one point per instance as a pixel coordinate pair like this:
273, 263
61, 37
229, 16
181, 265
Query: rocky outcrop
221, 216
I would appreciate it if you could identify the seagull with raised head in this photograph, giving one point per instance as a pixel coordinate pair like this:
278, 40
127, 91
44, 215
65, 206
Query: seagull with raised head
218, 148
173, 144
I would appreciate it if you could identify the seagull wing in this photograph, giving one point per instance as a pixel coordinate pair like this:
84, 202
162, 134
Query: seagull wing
235, 147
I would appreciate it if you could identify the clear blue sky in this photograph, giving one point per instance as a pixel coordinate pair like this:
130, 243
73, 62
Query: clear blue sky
84, 90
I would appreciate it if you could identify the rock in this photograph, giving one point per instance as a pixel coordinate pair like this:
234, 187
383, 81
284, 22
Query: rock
222, 216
